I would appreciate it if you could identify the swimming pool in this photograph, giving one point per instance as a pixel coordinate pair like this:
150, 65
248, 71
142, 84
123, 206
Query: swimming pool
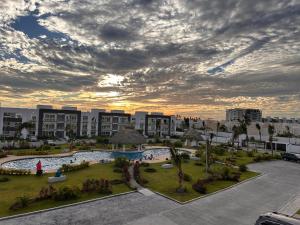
53, 163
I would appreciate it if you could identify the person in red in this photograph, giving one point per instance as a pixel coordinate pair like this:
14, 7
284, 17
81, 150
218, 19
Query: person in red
39, 171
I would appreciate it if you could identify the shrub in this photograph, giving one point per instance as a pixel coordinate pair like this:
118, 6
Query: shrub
200, 187
101, 186
157, 140
144, 164
84, 148
250, 154
31, 152
66, 193
185, 156
57, 147
17, 172
102, 140
225, 173
243, 168
234, 176
239, 154
258, 158
46, 147
166, 142
20, 203
46, 193
150, 170
126, 174
187, 177
4, 179
69, 168
120, 162
219, 150
200, 154
230, 160
178, 144
198, 164
117, 170
277, 156
3, 154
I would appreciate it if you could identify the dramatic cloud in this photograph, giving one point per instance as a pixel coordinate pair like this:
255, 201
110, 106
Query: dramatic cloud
194, 57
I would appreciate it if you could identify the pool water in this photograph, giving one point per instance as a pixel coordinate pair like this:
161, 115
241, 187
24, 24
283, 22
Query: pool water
53, 163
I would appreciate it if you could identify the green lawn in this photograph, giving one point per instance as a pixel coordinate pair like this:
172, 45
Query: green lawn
31, 185
165, 181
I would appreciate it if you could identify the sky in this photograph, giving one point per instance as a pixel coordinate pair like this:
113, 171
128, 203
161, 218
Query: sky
194, 58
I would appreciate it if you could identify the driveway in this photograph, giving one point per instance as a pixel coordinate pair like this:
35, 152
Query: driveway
240, 205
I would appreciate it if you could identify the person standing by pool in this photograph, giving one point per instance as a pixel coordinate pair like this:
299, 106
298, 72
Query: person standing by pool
39, 171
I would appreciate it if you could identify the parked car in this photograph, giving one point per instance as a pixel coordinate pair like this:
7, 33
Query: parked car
291, 157
276, 219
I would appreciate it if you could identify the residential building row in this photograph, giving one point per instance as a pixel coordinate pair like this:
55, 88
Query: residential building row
68, 122
237, 114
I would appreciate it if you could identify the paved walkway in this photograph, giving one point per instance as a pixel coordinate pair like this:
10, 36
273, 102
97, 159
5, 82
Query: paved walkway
241, 205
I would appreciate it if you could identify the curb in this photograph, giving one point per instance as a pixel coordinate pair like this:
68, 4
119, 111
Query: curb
64, 206
207, 195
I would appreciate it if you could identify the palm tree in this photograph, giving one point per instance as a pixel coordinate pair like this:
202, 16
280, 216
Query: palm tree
26, 125
223, 128
244, 123
271, 131
218, 127
288, 133
208, 149
177, 158
258, 127
235, 135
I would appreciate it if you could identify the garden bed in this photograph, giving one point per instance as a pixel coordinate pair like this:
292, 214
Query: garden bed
165, 181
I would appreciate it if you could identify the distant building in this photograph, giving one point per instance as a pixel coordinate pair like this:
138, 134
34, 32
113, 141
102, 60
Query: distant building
59, 123
158, 124
111, 122
11, 120
254, 115
154, 124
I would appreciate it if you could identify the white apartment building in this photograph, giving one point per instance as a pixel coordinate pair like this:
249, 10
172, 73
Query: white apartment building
154, 124
11, 120
254, 115
110, 123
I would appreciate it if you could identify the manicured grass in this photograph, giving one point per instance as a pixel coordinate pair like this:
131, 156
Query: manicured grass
30, 186
165, 181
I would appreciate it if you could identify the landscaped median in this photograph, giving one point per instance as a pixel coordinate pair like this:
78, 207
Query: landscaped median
165, 181
29, 188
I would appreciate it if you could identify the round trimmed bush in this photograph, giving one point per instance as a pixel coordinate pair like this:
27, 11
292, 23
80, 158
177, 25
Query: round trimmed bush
121, 162
187, 177
150, 170
243, 168
4, 179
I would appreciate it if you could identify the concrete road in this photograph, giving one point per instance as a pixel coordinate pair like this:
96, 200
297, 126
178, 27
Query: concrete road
241, 205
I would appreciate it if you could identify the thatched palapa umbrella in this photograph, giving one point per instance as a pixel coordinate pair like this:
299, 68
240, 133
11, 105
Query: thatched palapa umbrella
193, 135
128, 135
